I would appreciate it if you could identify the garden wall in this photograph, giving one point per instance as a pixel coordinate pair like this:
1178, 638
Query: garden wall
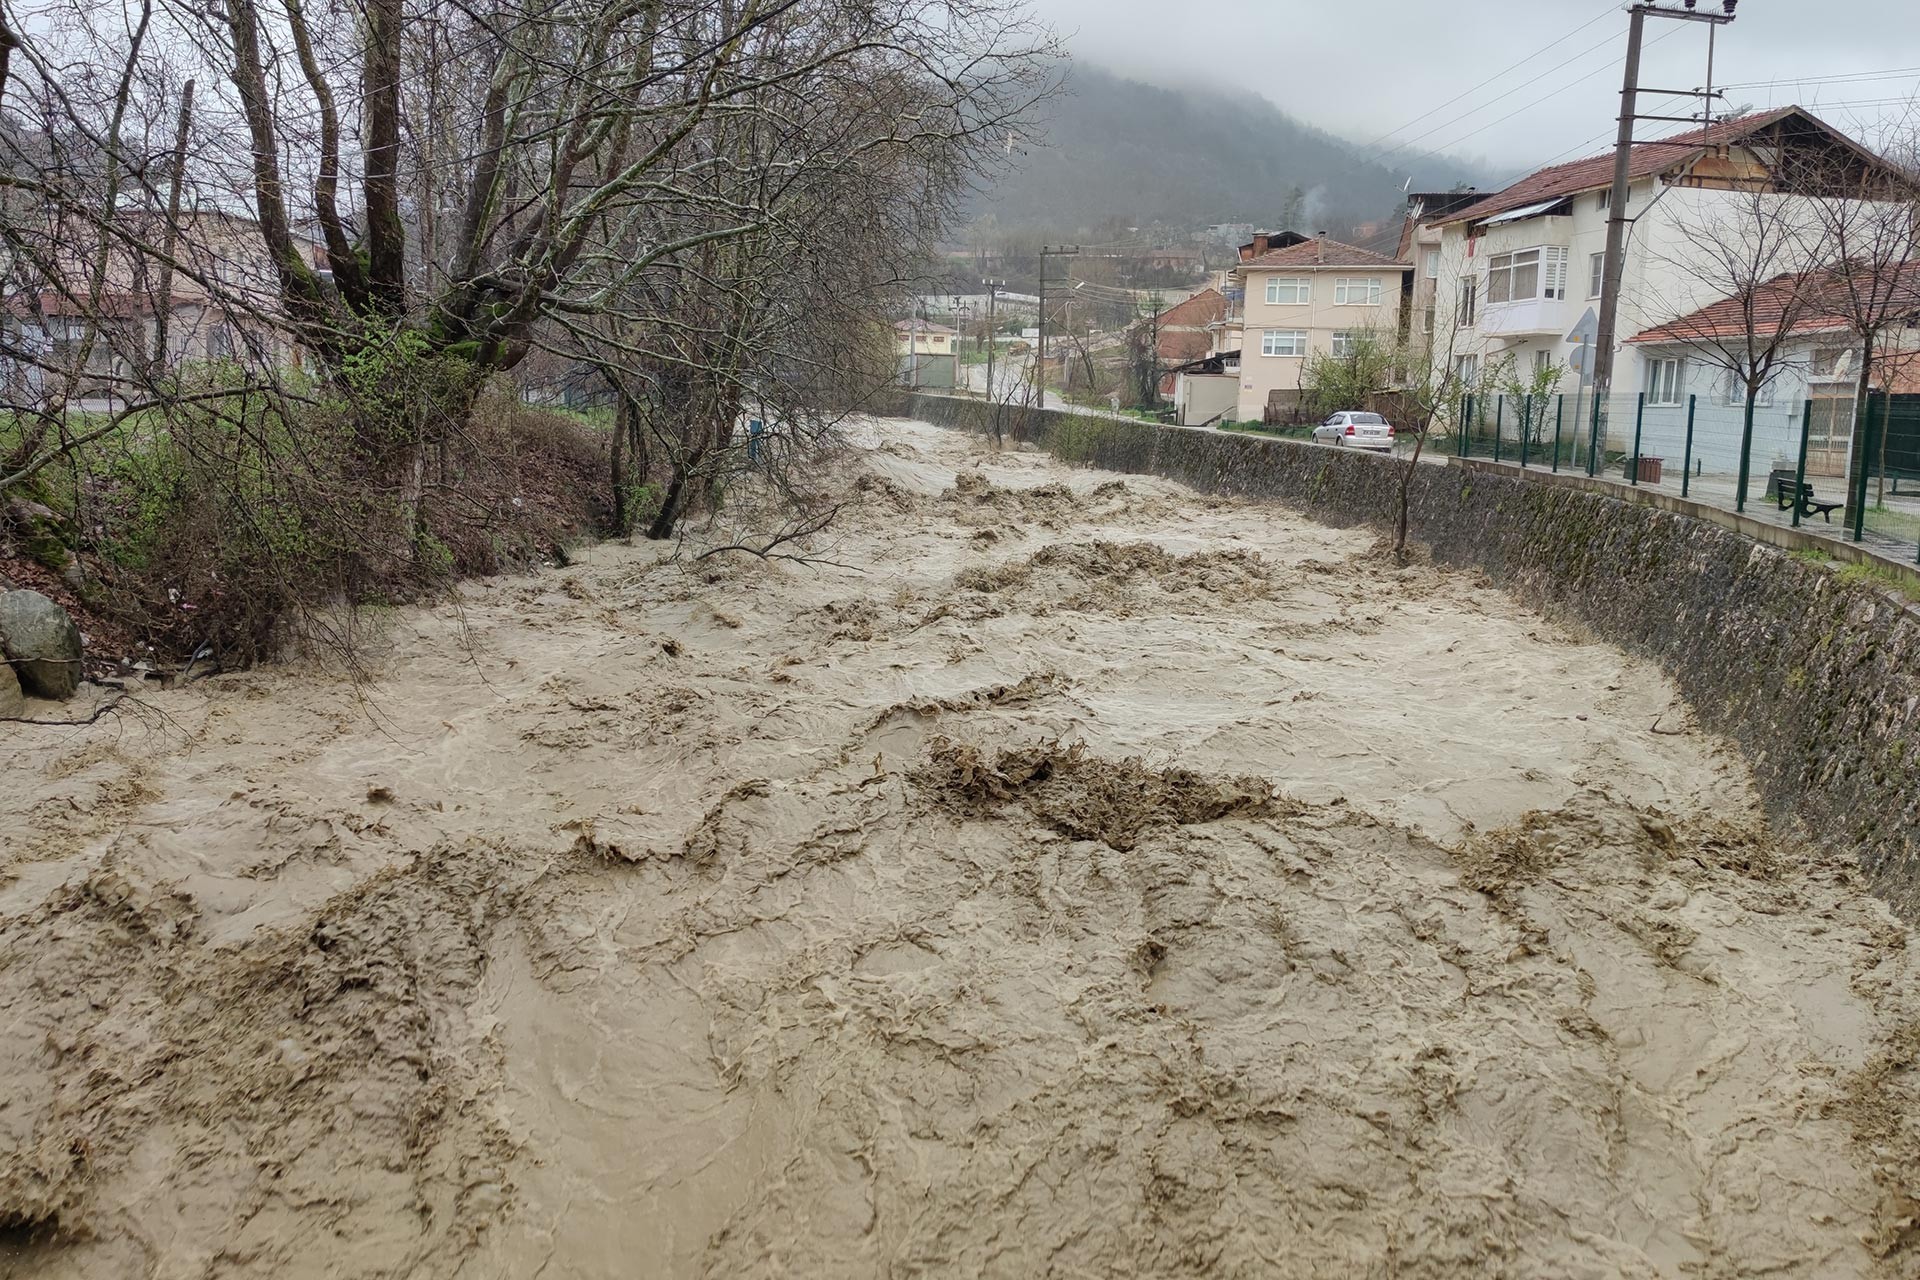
1814, 673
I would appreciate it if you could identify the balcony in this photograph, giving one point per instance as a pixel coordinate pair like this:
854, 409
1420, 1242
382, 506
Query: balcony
1523, 318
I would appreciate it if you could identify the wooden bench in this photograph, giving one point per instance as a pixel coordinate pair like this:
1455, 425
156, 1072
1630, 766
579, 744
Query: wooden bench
1789, 492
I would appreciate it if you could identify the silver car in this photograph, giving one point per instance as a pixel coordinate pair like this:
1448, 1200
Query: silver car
1352, 429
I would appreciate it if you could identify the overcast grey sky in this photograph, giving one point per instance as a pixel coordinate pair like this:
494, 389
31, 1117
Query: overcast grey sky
1362, 68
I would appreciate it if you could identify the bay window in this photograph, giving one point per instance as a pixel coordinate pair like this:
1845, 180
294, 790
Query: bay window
1526, 274
1513, 275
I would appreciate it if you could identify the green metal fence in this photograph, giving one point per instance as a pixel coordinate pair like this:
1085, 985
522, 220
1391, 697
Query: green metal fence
1883, 504
1819, 461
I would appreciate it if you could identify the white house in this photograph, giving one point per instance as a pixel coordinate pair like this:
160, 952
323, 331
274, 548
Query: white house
1519, 270
1695, 363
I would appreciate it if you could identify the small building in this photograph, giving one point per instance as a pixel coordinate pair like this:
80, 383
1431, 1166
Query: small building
1302, 296
1694, 361
1206, 389
928, 354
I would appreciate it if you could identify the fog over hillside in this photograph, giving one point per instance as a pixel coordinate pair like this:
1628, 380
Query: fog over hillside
1118, 151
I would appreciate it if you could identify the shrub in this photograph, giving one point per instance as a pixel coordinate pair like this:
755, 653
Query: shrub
216, 522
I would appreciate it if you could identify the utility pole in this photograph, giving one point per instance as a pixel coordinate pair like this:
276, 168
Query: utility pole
1617, 220
1150, 392
913, 348
993, 293
1048, 251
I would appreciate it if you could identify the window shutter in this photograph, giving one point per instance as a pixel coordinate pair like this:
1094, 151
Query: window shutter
1556, 273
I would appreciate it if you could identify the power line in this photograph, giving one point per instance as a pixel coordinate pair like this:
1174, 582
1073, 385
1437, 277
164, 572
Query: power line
1376, 242
1892, 73
1604, 13
1508, 94
1522, 110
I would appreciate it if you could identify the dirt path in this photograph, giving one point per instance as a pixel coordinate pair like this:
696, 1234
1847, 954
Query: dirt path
1090, 879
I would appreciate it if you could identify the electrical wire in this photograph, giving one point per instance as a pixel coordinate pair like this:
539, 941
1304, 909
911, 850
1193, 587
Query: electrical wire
1426, 115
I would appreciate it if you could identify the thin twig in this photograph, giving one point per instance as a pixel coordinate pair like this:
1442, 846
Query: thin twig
98, 711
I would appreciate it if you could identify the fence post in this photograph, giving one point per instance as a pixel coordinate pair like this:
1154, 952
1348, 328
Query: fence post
1466, 423
1866, 469
1593, 437
1559, 412
1526, 426
1686, 462
1856, 510
1639, 419
1499, 419
1800, 471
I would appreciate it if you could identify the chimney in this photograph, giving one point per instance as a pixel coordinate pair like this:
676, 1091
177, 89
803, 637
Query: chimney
1320, 246
1261, 241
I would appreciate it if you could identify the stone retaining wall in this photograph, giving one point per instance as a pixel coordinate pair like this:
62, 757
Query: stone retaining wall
1814, 673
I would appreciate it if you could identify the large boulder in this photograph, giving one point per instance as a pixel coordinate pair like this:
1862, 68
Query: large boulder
42, 642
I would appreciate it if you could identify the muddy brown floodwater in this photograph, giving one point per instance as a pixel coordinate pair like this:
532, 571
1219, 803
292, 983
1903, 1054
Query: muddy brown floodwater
1078, 877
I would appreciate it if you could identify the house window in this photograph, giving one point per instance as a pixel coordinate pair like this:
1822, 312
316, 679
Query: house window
1542, 361
1467, 370
1343, 342
1513, 276
1596, 273
1604, 200
1356, 293
1733, 391
1283, 342
1429, 316
1433, 264
1288, 291
1663, 381
219, 343
1469, 289
1553, 273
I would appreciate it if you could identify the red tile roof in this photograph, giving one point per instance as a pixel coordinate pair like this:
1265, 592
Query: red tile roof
1807, 302
1201, 309
1321, 252
1645, 160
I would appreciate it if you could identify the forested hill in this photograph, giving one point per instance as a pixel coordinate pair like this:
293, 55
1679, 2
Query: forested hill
1120, 150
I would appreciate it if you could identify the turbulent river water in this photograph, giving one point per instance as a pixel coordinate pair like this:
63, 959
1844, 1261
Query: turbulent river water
1066, 875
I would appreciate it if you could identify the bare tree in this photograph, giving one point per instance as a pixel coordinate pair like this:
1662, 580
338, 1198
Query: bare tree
1432, 385
1865, 234
1746, 263
306, 270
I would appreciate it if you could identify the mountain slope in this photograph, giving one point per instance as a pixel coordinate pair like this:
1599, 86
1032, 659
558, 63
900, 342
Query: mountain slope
1121, 150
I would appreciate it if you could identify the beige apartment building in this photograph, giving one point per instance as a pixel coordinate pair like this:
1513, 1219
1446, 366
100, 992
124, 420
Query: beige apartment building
1305, 297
